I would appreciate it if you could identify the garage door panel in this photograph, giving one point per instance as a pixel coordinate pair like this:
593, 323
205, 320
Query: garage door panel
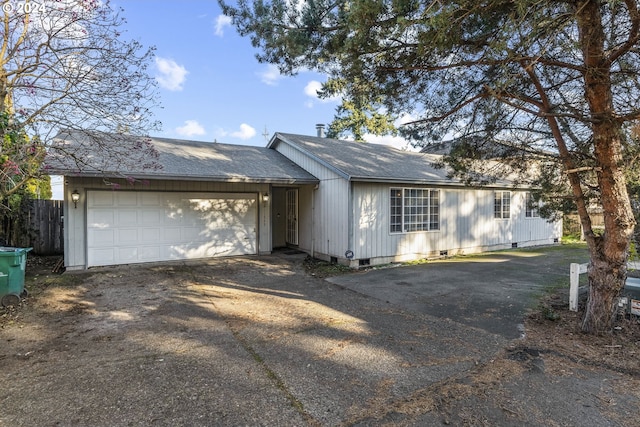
171, 217
102, 237
189, 234
151, 236
127, 236
172, 234
104, 198
100, 218
126, 217
150, 253
151, 217
156, 226
126, 198
101, 256
151, 199
128, 254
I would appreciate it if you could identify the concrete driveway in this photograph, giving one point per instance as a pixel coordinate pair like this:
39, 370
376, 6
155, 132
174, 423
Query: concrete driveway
488, 291
257, 341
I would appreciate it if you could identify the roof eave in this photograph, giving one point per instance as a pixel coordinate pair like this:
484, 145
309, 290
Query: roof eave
410, 181
327, 165
226, 179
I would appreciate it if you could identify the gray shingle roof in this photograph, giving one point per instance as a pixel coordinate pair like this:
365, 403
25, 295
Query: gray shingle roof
357, 161
81, 154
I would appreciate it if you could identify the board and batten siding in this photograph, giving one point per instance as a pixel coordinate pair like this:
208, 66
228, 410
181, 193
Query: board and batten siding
467, 225
324, 232
75, 238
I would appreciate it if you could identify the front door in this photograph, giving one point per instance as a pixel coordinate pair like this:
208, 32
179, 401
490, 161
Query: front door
292, 217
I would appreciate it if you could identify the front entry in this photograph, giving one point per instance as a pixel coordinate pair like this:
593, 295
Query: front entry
292, 217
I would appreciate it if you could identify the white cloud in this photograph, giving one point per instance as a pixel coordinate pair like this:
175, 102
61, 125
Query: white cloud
406, 118
312, 88
190, 128
394, 141
245, 132
172, 75
222, 21
270, 75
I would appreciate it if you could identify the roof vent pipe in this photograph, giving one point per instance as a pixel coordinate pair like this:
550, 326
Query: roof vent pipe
320, 129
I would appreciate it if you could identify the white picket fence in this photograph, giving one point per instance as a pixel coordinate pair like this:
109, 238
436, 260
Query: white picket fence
575, 270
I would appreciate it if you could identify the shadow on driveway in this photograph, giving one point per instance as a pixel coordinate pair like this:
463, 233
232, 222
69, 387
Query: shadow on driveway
257, 341
490, 291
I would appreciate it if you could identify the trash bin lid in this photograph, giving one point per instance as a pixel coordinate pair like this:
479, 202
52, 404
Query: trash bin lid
11, 249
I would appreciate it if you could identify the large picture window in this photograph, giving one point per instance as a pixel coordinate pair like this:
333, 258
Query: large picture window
502, 205
414, 209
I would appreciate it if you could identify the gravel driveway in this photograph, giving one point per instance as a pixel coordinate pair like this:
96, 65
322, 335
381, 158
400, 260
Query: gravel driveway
259, 341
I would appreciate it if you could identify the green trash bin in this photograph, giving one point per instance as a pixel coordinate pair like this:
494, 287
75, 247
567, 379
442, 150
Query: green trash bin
13, 262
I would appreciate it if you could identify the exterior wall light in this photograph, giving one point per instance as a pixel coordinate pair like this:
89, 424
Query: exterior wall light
75, 196
265, 197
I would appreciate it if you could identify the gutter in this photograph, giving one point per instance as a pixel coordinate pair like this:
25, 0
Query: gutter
383, 180
238, 179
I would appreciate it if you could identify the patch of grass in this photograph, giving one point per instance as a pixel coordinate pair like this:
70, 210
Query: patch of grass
633, 252
420, 261
549, 313
322, 269
572, 238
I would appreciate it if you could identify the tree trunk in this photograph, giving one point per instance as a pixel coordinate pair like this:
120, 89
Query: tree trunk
605, 284
609, 252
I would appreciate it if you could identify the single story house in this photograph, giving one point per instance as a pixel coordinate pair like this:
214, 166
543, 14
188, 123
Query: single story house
353, 203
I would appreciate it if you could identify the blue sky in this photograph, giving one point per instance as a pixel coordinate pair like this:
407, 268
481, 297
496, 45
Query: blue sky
211, 85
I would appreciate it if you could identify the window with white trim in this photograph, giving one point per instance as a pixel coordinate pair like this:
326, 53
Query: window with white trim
414, 209
502, 205
530, 210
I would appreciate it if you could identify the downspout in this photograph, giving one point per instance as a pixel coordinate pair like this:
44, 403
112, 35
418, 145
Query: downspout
350, 220
313, 220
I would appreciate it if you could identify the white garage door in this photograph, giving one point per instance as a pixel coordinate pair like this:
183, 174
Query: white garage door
125, 227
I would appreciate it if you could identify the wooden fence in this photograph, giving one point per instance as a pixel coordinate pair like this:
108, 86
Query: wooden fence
571, 223
45, 220
39, 226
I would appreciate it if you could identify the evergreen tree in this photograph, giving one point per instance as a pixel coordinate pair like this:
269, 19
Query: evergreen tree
554, 83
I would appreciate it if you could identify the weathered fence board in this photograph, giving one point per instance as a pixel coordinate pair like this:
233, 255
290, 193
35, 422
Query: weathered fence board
45, 220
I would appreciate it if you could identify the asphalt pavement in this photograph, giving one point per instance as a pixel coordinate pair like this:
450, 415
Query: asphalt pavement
490, 291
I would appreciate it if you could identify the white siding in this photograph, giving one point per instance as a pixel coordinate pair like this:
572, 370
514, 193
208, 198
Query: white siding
324, 221
75, 239
467, 225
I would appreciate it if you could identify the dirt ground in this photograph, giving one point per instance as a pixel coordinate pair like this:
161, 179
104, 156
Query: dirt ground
84, 315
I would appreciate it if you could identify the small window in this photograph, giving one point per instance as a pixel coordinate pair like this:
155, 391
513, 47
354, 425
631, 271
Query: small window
502, 205
531, 210
396, 210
